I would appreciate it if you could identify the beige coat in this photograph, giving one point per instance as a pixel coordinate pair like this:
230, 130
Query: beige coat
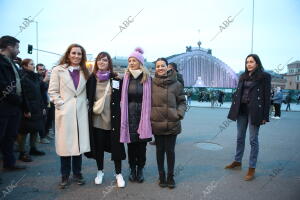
71, 112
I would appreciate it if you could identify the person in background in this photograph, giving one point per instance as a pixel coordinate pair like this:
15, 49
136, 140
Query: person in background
173, 66
45, 78
104, 95
32, 121
277, 101
288, 100
135, 113
221, 97
250, 107
11, 101
67, 90
168, 109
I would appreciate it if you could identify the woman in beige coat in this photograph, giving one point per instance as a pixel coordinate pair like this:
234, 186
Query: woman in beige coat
67, 90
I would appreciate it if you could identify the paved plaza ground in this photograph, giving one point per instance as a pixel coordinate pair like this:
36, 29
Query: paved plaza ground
199, 173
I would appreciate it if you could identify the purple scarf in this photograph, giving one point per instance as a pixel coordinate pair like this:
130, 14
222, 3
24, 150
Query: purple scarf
103, 75
145, 129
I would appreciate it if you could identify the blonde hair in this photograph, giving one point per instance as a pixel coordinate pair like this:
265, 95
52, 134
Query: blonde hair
146, 73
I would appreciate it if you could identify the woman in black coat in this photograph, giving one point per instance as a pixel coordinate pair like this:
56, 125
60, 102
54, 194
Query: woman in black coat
135, 113
34, 109
250, 107
104, 123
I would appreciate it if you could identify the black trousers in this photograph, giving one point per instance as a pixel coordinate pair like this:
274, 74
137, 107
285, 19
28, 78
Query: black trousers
137, 154
165, 144
65, 167
277, 110
9, 126
102, 137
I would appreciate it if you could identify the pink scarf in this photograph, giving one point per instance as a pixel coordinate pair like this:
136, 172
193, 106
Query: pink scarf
145, 129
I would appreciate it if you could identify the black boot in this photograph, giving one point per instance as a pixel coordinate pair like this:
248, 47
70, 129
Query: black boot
25, 157
35, 152
171, 181
132, 176
140, 175
78, 178
64, 182
162, 180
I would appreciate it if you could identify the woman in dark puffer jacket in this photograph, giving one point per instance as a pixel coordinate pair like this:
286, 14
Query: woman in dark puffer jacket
168, 108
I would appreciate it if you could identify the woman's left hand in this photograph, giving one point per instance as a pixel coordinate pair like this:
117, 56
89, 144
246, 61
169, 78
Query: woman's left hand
263, 122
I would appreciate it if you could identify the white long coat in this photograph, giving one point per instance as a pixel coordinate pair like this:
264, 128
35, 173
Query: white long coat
71, 119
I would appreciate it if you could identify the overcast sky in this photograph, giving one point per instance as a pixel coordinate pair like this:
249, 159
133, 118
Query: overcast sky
162, 28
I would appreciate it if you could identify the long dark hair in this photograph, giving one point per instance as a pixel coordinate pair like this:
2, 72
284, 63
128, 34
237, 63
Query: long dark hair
110, 65
65, 60
257, 72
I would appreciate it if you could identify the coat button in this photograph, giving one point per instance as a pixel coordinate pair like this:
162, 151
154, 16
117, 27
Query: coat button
258, 98
233, 102
113, 103
113, 116
259, 105
113, 129
258, 89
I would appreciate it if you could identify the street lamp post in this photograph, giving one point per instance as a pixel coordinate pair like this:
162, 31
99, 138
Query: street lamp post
37, 41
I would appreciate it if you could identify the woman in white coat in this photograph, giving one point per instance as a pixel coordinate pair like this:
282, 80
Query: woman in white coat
67, 90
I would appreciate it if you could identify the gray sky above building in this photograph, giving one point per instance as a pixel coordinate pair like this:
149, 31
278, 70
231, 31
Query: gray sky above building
161, 28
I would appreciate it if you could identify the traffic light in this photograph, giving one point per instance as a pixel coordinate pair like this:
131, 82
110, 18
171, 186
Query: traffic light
29, 49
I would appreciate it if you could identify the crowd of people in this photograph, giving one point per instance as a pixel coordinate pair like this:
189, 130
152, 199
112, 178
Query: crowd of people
101, 111
93, 112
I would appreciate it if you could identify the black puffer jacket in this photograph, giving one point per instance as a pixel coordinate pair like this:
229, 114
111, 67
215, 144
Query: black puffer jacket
33, 90
135, 98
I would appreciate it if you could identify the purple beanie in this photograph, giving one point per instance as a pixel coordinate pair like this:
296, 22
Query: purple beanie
138, 54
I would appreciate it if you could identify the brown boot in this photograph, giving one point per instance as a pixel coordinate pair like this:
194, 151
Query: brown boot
234, 165
250, 174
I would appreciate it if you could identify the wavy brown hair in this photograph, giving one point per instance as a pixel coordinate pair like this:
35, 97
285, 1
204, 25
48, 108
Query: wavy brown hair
110, 65
65, 60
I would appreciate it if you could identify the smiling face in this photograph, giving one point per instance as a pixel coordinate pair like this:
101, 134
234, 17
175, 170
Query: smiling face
161, 68
75, 56
251, 64
133, 63
102, 64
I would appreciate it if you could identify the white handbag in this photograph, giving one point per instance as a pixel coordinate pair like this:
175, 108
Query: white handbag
99, 104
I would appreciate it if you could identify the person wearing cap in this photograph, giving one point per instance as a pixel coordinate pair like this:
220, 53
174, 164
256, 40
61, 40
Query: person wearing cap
135, 127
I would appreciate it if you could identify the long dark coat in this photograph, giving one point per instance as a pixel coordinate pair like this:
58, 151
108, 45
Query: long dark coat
116, 148
260, 99
33, 89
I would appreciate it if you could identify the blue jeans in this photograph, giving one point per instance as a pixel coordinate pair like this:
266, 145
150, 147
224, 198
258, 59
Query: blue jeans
65, 167
243, 121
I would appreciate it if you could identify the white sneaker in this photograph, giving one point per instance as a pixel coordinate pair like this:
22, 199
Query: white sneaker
277, 117
120, 181
273, 117
99, 177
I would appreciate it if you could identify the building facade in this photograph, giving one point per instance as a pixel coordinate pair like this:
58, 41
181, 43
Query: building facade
293, 76
200, 69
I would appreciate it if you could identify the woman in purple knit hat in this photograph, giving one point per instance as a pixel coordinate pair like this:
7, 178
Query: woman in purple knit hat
135, 113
